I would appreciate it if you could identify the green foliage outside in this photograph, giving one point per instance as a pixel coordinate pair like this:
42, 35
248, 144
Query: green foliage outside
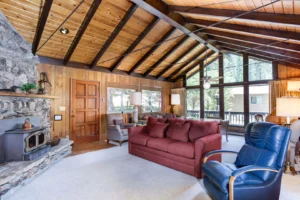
151, 101
233, 72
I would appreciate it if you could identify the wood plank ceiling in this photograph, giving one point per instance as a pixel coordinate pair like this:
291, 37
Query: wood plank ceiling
153, 38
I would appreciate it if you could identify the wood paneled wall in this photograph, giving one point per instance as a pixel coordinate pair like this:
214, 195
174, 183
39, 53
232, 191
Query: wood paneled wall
286, 72
60, 77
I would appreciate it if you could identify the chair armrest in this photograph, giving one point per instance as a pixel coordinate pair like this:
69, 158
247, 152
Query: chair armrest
113, 127
217, 152
243, 170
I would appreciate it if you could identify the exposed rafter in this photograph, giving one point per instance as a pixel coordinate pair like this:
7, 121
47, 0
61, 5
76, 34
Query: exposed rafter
192, 67
88, 17
153, 48
247, 29
135, 43
160, 9
159, 61
264, 48
114, 34
257, 16
187, 63
41, 25
178, 59
251, 39
259, 53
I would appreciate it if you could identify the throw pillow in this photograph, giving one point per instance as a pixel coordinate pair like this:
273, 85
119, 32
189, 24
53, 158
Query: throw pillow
179, 132
119, 122
152, 121
158, 130
145, 117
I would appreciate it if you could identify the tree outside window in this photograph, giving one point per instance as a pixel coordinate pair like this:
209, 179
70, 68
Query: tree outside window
260, 69
118, 100
233, 68
193, 103
151, 101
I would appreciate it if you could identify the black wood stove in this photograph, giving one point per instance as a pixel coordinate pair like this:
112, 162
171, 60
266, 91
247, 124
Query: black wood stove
23, 145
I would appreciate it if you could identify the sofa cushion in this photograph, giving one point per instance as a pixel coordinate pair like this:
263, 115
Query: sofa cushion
184, 149
202, 128
174, 121
158, 130
160, 143
152, 121
140, 139
179, 131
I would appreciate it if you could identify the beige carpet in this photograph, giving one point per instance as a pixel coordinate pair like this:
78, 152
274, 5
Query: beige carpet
115, 175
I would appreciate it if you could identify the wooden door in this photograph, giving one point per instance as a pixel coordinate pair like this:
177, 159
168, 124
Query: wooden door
85, 111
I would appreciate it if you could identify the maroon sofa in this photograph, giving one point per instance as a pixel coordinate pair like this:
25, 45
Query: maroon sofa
176, 143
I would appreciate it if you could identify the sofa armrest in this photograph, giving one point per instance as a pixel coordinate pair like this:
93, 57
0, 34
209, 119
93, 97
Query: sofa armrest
135, 130
113, 127
203, 146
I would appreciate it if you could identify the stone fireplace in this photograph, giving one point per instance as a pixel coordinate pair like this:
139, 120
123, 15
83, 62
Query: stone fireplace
23, 154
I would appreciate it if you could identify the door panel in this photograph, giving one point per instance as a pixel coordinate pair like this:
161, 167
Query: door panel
85, 111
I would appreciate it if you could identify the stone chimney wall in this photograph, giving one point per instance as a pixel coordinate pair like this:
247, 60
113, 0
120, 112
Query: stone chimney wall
17, 63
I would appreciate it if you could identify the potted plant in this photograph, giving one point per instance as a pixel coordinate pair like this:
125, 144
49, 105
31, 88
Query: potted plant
30, 88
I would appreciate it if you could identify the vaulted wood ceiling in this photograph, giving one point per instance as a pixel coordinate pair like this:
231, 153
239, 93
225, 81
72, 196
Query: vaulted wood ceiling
153, 38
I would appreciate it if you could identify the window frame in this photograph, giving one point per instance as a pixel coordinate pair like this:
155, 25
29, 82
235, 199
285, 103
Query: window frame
117, 87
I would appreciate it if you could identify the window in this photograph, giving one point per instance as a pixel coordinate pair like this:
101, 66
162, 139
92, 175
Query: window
118, 100
211, 103
193, 103
193, 80
213, 71
259, 101
260, 69
234, 105
233, 68
256, 100
151, 101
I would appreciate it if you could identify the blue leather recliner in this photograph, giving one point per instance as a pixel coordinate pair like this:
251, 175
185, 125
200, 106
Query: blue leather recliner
257, 171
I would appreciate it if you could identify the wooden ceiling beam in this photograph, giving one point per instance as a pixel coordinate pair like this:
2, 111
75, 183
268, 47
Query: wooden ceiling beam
77, 65
160, 9
153, 48
257, 16
187, 63
135, 43
247, 29
88, 17
269, 49
41, 25
192, 67
251, 39
266, 57
211, 61
114, 34
260, 53
178, 59
172, 50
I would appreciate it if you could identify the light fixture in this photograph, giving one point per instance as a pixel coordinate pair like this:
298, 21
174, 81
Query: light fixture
175, 100
64, 30
293, 86
288, 107
206, 85
136, 100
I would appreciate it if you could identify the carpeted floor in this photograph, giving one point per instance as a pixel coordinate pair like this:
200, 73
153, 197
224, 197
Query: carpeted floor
115, 175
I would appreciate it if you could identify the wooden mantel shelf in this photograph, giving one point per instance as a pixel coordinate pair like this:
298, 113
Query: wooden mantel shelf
13, 94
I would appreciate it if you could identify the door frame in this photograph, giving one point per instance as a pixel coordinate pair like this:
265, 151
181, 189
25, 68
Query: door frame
71, 104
